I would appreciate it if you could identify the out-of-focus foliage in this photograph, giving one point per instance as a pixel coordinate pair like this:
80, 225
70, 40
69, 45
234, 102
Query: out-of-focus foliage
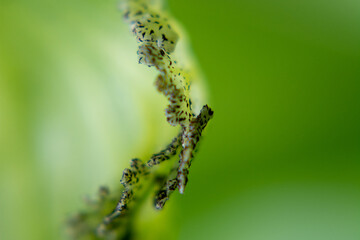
282, 157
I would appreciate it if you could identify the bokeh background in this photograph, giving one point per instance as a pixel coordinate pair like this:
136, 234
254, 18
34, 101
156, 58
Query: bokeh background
279, 161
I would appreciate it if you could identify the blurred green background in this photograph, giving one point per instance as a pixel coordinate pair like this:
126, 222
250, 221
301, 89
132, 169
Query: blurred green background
279, 161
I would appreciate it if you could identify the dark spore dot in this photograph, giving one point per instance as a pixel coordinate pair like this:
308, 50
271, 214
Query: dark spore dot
156, 22
160, 27
152, 31
138, 13
148, 20
164, 38
143, 34
162, 52
172, 42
